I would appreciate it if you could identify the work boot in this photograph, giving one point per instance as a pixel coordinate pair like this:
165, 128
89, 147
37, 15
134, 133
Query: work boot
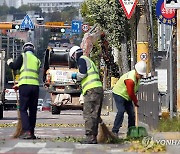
90, 139
115, 134
26, 135
32, 135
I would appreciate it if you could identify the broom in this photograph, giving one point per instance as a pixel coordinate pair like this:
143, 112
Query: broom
18, 131
104, 135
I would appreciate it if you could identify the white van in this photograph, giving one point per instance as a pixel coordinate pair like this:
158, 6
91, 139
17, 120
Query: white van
10, 96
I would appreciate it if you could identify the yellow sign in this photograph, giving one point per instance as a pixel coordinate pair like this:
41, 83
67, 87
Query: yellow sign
5, 25
143, 53
55, 23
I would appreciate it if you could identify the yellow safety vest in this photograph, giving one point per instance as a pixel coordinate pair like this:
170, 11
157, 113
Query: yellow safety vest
92, 80
29, 72
120, 87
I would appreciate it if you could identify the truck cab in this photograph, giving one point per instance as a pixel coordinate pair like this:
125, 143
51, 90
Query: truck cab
65, 93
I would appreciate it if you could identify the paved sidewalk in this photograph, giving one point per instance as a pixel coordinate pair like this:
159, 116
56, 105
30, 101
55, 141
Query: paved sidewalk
170, 139
50, 147
46, 144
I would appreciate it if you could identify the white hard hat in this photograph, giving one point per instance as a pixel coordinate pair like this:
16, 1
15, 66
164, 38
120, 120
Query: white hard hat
73, 50
141, 67
28, 45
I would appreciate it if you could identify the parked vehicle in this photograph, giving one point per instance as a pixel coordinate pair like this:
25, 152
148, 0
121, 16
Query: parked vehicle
10, 96
46, 106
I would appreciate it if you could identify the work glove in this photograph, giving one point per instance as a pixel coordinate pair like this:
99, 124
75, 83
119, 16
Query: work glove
16, 87
74, 76
9, 61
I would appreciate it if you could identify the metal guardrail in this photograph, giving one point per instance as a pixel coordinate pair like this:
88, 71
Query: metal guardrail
149, 108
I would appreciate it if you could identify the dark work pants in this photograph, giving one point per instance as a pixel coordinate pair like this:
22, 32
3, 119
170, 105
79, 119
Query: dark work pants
92, 110
28, 101
122, 106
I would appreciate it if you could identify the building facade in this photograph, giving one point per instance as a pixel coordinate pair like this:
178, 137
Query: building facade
11, 3
54, 5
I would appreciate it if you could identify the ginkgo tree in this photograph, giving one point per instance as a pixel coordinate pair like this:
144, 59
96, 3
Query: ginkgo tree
121, 32
111, 18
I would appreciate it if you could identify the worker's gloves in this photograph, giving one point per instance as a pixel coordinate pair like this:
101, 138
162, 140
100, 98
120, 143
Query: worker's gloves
74, 76
16, 87
9, 61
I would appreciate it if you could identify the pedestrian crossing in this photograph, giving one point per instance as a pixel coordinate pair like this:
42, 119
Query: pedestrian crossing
47, 132
46, 143
49, 147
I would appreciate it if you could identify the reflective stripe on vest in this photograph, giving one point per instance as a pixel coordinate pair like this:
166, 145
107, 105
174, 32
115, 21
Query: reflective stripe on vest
92, 79
120, 87
29, 72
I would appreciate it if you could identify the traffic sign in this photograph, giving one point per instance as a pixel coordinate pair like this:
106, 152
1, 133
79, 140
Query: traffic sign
85, 27
144, 56
55, 23
128, 7
76, 26
27, 23
165, 15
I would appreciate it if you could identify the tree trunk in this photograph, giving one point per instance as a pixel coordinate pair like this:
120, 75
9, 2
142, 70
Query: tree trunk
133, 24
117, 59
148, 15
124, 55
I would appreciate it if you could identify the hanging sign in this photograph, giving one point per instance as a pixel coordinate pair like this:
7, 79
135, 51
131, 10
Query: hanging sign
165, 15
128, 7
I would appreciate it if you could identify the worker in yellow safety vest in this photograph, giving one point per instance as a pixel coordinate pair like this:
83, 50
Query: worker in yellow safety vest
28, 86
124, 93
92, 92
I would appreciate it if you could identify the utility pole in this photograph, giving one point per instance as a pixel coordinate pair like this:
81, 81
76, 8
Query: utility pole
142, 38
8, 43
13, 49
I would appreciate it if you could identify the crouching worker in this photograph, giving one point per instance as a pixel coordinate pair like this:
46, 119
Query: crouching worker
28, 83
92, 92
124, 93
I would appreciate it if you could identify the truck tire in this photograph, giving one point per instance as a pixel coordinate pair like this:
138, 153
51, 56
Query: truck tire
1, 111
55, 109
